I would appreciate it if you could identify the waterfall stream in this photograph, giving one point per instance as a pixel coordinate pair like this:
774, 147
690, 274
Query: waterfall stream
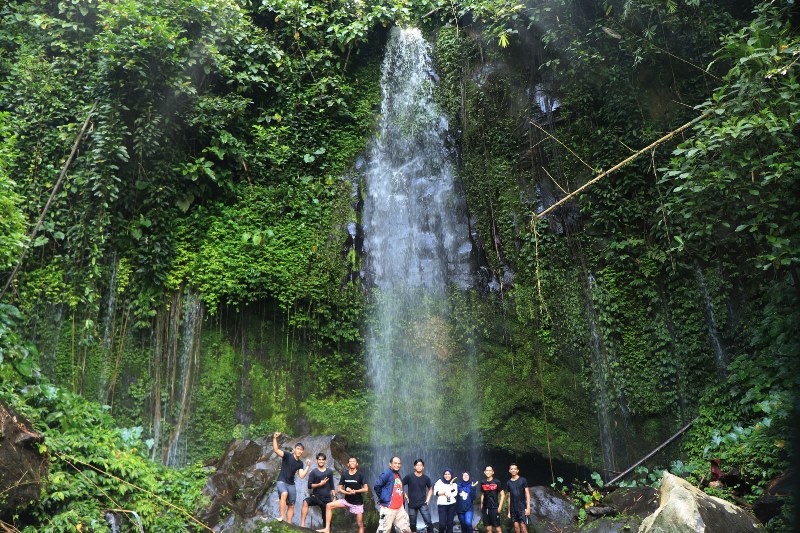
711, 322
417, 247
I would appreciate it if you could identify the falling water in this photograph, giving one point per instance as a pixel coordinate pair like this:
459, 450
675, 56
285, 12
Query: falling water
107, 366
173, 368
599, 373
711, 322
417, 245
186, 362
612, 408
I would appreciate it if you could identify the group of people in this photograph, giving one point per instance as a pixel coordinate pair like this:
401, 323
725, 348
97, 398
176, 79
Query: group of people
402, 499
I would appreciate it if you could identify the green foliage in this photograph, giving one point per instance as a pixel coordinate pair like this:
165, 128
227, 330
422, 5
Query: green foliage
17, 356
733, 184
94, 466
345, 415
745, 420
12, 223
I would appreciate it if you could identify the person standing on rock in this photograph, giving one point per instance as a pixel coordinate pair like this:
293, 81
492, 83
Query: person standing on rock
291, 464
353, 486
389, 491
492, 497
418, 495
320, 486
465, 500
446, 491
519, 500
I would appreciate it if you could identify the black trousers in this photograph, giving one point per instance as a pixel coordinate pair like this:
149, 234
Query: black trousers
315, 500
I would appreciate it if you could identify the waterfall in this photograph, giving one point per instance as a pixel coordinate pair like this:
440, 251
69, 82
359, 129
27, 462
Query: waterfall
416, 246
711, 322
173, 368
107, 343
599, 373
612, 416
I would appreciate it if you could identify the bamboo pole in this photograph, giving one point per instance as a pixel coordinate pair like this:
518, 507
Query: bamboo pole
56, 187
622, 164
651, 454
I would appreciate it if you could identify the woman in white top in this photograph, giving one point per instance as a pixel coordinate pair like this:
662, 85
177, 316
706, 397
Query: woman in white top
445, 490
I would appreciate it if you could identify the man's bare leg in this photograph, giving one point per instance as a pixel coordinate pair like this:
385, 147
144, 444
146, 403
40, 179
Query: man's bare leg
289, 513
360, 520
304, 514
282, 506
328, 513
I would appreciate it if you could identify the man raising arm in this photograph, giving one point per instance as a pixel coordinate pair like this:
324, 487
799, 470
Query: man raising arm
290, 465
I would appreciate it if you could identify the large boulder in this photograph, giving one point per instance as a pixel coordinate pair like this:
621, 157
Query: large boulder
22, 467
684, 508
241, 491
550, 510
635, 501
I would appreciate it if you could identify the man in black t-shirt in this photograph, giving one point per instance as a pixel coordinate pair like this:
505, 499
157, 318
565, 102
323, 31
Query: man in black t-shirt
320, 486
418, 495
353, 486
519, 500
491, 492
290, 465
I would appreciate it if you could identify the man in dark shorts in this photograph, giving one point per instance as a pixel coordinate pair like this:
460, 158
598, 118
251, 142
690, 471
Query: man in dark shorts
320, 487
519, 500
290, 465
353, 486
492, 497
418, 495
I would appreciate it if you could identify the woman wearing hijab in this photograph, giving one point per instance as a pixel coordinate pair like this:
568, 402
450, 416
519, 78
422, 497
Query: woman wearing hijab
446, 491
466, 496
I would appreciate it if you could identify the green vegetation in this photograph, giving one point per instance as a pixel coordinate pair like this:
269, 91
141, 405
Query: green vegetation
199, 243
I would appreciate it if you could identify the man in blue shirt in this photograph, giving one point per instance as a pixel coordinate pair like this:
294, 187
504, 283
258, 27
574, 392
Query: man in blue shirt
389, 491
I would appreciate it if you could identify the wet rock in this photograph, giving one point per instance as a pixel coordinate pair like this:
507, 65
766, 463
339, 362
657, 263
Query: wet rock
551, 510
768, 506
616, 524
242, 487
684, 508
638, 501
22, 467
601, 511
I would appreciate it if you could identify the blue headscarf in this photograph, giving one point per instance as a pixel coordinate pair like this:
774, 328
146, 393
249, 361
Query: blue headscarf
465, 503
464, 485
446, 470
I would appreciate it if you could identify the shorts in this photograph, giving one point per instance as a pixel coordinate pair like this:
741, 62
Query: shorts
490, 517
313, 499
353, 508
290, 488
518, 516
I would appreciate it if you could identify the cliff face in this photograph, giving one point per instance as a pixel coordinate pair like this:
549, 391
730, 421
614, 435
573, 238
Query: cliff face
201, 272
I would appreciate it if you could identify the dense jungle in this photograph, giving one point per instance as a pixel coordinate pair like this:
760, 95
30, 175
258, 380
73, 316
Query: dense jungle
182, 259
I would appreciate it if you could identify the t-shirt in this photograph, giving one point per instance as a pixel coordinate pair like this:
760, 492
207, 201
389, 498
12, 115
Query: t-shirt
491, 493
289, 466
355, 482
516, 493
397, 493
323, 491
417, 489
